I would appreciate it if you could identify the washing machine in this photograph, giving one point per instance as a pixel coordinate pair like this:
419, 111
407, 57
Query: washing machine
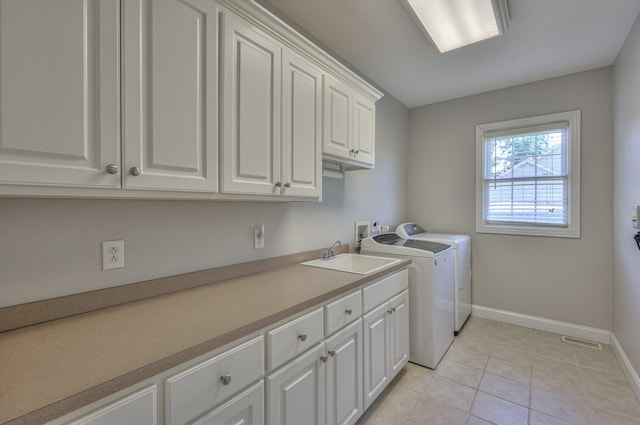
461, 245
431, 292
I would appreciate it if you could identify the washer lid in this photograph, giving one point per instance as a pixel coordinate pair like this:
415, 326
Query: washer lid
392, 239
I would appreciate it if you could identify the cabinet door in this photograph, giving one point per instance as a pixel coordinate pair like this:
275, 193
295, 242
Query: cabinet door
251, 110
59, 92
376, 353
399, 332
296, 392
301, 131
337, 118
344, 376
364, 122
245, 409
138, 408
170, 95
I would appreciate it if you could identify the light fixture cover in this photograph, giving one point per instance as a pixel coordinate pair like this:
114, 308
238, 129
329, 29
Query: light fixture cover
451, 24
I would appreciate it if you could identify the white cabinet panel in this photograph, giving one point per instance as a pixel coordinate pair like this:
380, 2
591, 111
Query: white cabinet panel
382, 290
294, 337
344, 376
343, 311
198, 389
245, 409
59, 92
337, 117
301, 131
376, 353
170, 99
138, 408
296, 392
399, 332
251, 112
364, 123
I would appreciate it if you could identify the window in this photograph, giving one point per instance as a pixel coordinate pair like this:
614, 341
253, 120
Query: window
528, 176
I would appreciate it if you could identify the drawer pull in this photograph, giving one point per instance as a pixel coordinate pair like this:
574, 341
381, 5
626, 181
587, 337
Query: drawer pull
348, 311
302, 337
332, 353
324, 359
225, 379
391, 311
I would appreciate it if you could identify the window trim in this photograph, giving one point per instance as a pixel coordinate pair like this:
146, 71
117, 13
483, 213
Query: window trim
573, 186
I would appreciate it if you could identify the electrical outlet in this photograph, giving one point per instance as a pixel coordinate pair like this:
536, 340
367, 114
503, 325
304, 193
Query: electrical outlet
112, 255
258, 236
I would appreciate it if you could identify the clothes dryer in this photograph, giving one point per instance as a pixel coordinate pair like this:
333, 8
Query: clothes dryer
461, 245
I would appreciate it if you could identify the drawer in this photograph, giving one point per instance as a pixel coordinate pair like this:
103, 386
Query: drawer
294, 337
380, 291
138, 408
200, 388
341, 312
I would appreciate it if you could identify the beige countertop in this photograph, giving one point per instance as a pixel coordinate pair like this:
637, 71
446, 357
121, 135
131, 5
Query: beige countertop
52, 368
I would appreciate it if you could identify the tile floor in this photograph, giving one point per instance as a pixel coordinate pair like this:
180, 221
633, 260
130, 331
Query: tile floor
496, 373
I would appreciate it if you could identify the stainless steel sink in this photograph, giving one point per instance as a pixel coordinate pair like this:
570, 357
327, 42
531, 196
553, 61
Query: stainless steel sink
353, 263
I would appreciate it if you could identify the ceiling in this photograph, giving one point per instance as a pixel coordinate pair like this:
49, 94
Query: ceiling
547, 38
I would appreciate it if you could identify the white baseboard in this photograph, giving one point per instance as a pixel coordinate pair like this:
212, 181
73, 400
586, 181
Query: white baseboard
626, 366
540, 323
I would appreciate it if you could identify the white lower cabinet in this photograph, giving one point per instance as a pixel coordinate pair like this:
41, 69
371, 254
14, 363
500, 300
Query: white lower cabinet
138, 408
245, 409
296, 392
386, 334
344, 376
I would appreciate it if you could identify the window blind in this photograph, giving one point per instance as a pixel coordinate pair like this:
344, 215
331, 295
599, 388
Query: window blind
526, 176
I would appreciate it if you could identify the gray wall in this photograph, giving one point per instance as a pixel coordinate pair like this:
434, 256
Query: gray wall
562, 279
626, 193
51, 247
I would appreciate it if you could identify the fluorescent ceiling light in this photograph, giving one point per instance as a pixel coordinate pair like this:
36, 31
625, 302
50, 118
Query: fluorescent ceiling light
451, 24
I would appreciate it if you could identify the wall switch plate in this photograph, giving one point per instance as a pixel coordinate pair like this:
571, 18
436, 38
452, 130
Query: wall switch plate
112, 255
258, 236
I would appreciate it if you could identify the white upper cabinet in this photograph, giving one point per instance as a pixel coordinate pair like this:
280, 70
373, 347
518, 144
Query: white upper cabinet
170, 96
349, 125
301, 127
337, 118
251, 110
59, 93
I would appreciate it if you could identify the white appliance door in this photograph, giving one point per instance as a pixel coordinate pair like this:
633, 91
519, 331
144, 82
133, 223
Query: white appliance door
463, 282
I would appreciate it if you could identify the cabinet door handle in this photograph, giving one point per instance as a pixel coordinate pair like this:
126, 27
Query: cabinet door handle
324, 359
348, 311
332, 353
287, 184
302, 337
391, 310
135, 171
352, 151
225, 379
357, 152
278, 184
112, 169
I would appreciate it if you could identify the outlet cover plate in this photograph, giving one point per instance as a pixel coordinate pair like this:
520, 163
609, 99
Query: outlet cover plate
112, 255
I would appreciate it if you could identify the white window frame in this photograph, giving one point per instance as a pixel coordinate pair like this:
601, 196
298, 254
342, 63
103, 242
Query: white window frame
573, 155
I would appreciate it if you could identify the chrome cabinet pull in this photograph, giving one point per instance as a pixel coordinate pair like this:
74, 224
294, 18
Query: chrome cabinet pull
332, 353
112, 169
135, 171
302, 337
324, 359
348, 311
287, 184
225, 379
278, 184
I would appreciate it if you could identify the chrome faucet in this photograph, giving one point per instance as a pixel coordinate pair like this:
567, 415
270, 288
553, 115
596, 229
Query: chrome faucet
331, 253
